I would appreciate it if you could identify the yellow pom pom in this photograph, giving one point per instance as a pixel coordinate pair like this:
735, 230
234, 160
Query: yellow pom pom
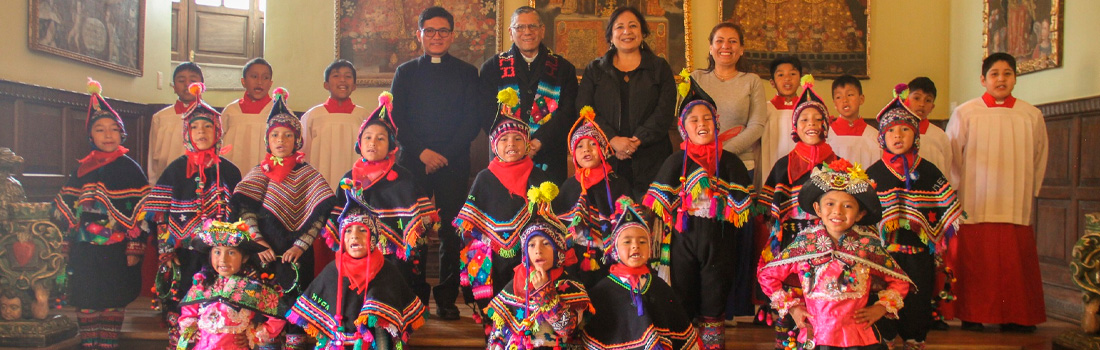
807, 79
533, 194
685, 74
549, 190
588, 113
94, 87
509, 97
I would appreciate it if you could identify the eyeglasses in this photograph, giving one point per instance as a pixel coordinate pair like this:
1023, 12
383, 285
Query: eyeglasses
430, 32
526, 27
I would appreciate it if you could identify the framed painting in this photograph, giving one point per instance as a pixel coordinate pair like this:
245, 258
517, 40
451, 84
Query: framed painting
829, 36
109, 34
379, 35
577, 28
1030, 30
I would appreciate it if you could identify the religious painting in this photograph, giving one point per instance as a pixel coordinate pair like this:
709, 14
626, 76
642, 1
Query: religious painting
575, 28
1030, 30
109, 34
830, 37
379, 35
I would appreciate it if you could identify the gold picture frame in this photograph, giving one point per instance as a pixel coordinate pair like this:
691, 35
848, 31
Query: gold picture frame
1029, 30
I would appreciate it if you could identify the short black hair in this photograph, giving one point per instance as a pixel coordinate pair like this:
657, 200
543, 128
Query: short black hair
615, 15
988, 62
847, 80
433, 12
341, 63
923, 84
781, 60
188, 66
253, 62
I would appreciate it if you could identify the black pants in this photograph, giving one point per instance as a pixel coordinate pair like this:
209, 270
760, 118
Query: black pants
449, 186
915, 318
413, 272
702, 259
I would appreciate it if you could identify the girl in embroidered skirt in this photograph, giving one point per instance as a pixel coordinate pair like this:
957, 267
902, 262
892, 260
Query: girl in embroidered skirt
703, 193
359, 300
497, 208
231, 305
586, 200
106, 242
920, 214
541, 305
285, 201
192, 188
378, 186
633, 308
781, 188
837, 265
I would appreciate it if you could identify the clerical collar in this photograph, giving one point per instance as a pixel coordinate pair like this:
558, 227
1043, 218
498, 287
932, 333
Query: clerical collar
436, 59
529, 60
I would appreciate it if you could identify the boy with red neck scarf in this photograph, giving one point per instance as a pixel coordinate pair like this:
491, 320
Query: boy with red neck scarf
633, 308
286, 201
377, 185
849, 135
920, 215
541, 305
165, 141
106, 241
498, 207
702, 195
194, 187
586, 201
780, 192
776, 141
246, 118
999, 148
325, 127
359, 300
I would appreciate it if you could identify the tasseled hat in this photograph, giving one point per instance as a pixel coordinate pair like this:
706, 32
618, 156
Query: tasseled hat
627, 214
553, 231
809, 99
840, 175
691, 95
507, 119
282, 116
382, 115
98, 108
895, 113
586, 127
227, 234
346, 221
200, 110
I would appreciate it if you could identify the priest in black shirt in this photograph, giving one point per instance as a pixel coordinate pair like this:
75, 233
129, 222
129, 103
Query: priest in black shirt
435, 104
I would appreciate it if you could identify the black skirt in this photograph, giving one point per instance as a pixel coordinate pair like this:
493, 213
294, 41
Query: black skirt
101, 279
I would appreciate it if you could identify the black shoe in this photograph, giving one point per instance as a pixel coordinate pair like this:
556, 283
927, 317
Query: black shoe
447, 314
972, 326
1016, 328
940, 325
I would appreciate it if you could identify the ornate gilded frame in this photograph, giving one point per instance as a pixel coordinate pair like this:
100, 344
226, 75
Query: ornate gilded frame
1024, 63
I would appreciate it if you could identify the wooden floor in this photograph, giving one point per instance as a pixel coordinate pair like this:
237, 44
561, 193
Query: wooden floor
143, 330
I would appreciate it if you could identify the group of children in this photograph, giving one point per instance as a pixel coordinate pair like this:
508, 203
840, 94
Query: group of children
547, 266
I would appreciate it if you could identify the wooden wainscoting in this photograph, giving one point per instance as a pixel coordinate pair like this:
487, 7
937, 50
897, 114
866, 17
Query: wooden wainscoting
46, 127
1071, 189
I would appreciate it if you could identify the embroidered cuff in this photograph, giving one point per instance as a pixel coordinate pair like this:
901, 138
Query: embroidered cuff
892, 301
783, 301
135, 248
253, 227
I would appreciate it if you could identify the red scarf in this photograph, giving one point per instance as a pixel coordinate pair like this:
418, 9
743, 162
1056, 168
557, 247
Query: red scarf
97, 159
179, 107
278, 169
909, 159
805, 157
782, 103
360, 271
199, 160
333, 105
631, 274
366, 173
519, 279
704, 155
992, 102
923, 125
513, 175
841, 128
250, 106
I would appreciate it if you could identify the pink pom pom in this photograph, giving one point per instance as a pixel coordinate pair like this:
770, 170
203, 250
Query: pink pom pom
386, 99
94, 87
282, 92
899, 88
196, 89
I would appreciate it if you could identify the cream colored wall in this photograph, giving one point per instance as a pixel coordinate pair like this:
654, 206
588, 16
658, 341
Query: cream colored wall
21, 64
1078, 77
